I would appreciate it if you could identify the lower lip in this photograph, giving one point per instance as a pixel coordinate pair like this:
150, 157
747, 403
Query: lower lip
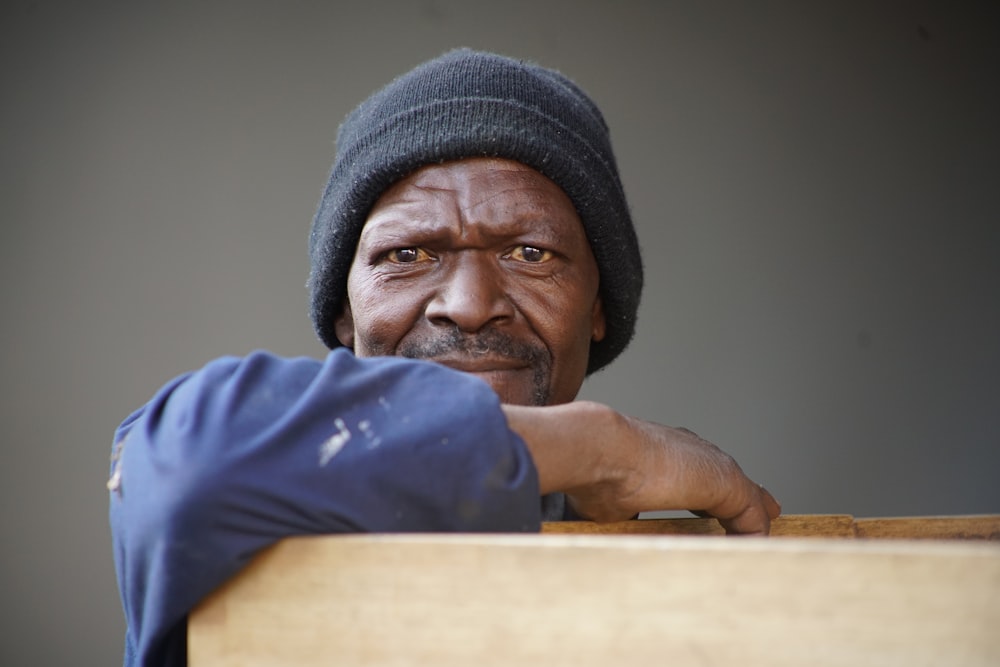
512, 386
498, 373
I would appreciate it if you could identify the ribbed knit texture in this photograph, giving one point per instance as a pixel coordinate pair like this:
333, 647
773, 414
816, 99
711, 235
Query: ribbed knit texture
474, 104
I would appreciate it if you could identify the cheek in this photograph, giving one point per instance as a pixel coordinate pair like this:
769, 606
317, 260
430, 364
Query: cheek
382, 314
566, 332
563, 317
578, 341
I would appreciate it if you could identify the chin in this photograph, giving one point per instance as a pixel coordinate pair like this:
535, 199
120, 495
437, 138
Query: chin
516, 390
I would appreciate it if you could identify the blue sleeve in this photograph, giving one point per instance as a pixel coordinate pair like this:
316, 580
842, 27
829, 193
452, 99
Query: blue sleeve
229, 459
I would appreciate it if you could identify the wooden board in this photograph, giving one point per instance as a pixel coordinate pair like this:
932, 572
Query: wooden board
461, 600
982, 527
971, 527
808, 525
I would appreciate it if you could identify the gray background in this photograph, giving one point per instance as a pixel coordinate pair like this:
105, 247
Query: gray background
815, 185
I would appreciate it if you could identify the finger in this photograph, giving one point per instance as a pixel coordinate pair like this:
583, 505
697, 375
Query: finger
771, 504
756, 516
752, 522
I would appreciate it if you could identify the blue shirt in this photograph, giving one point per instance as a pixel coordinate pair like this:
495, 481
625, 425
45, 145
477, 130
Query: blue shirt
227, 460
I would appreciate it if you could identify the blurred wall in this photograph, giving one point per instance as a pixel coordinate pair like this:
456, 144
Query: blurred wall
815, 186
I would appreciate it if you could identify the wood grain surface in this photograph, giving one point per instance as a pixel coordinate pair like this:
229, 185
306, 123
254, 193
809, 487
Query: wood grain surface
607, 599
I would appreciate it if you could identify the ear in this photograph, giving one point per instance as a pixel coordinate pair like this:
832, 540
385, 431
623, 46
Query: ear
597, 321
343, 326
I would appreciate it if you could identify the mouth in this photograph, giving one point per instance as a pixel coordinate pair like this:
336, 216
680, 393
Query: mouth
514, 380
482, 364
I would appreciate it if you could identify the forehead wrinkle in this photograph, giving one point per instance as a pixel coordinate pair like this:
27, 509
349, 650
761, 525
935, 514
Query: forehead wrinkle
445, 196
403, 207
513, 204
533, 199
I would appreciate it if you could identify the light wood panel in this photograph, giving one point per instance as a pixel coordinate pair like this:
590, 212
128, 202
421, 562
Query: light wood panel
600, 599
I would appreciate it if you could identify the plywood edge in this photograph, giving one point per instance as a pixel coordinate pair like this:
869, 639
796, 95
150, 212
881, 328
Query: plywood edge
969, 527
791, 525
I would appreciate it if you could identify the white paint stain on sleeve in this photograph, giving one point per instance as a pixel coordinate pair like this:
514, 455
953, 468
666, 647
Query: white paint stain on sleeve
332, 446
365, 427
115, 482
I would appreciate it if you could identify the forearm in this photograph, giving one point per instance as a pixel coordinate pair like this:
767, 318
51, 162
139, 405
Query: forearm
567, 442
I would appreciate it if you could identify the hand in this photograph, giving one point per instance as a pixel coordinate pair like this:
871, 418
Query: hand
612, 467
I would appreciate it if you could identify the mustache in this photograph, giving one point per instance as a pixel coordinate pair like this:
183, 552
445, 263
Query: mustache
487, 341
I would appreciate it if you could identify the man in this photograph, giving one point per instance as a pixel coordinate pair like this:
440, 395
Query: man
473, 260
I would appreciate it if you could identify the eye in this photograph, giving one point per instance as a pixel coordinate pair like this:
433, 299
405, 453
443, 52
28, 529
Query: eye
406, 255
531, 254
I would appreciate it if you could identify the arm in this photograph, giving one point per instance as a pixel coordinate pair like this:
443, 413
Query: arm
612, 467
229, 459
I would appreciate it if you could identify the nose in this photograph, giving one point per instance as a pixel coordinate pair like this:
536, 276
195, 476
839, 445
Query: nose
470, 295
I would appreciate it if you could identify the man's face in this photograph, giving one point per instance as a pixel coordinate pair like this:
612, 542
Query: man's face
481, 265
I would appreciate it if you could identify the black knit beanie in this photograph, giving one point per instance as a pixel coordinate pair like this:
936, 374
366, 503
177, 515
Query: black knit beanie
473, 104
